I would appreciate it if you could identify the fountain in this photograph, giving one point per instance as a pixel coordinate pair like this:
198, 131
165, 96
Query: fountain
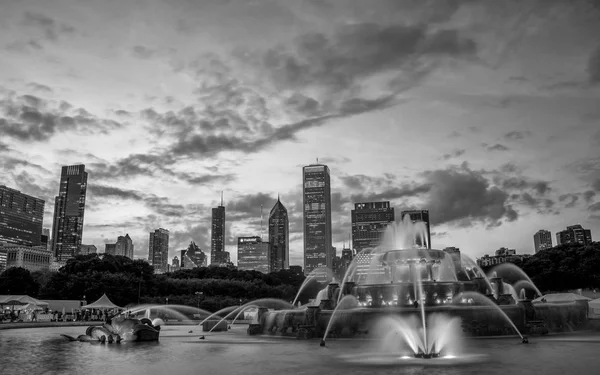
421, 295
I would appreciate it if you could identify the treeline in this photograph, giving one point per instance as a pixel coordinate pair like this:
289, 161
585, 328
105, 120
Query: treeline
563, 267
128, 281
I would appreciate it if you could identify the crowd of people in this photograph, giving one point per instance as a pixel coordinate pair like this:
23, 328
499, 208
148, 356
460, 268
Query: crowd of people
14, 315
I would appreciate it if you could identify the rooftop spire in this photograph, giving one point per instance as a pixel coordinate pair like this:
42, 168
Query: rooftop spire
221, 198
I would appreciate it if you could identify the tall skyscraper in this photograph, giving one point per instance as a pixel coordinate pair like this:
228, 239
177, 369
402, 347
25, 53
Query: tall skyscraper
21, 217
158, 250
279, 237
574, 234
369, 222
542, 240
253, 254
195, 256
316, 194
218, 255
416, 216
69, 208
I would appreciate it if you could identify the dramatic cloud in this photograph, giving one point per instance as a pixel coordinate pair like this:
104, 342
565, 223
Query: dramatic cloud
30, 118
50, 28
454, 154
464, 197
497, 147
594, 66
517, 135
102, 191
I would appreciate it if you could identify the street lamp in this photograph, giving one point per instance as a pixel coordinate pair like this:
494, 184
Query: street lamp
167, 301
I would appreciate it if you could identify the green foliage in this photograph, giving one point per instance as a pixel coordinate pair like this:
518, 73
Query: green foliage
17, 280
129, 282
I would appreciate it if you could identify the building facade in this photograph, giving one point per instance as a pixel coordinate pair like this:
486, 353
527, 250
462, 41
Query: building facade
316, 194
158, 252
69, 209
21, 217
542, 240
574, 234
32, 258
279, 237
253, 254
420, 216
369, 222
502, 255
194, 256
87, 249
123, 247
218, 255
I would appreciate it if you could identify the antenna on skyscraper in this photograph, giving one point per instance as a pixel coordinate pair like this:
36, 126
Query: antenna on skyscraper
317, 160
221, 198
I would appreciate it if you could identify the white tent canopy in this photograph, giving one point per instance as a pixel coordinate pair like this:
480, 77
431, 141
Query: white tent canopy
20, 300
102, 303
560, 298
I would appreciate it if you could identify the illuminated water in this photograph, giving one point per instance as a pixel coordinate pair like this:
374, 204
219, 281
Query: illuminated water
43, 351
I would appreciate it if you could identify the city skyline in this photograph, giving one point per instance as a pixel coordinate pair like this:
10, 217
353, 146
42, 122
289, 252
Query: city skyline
494, 132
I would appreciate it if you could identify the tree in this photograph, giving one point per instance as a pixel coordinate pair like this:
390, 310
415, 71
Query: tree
17, 280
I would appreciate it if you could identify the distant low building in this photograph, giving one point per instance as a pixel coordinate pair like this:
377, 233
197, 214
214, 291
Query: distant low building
88, 249
503, 255
574, 234
32, 258
542, 240
253, 254
296, 269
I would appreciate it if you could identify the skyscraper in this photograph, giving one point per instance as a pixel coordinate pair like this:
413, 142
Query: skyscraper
542, 240
195, 256
574, 234
420, 216
369, 222
253, 254
279, 237
218, 255
316, 194
158, 250
69, 208
21, 217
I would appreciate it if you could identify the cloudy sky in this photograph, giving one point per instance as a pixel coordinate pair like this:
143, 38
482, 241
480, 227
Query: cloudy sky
484, 112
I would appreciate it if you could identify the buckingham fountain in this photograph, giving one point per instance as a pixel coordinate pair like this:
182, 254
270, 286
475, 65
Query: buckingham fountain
422, 297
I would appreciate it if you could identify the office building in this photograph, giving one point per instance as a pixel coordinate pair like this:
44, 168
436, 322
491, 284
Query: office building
21, 217
279, 237
542, 240
69, 209
420, 216
158, 250
502, 255
194, 256
574, 234
3, 255
316, 195
253, 254
32, 258
87, 249
123, 247
175, 263
218, 255
369, 223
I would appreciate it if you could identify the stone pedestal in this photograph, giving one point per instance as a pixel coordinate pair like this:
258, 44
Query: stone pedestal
310, 316
327, 304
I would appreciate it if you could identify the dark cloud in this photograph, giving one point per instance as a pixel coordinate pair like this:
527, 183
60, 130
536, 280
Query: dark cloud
357, 51
569, 199
517, 135
596, 184
543, 205
248, 206
103, 191
143, 52
391, 193
594, 207
593, 68
453, 154
521, 183
464, 197
29, 184
30, 118
509, 168
497, 147
589, 195
50, 28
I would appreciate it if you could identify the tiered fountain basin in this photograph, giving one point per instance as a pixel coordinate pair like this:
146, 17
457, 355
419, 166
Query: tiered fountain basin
418, 283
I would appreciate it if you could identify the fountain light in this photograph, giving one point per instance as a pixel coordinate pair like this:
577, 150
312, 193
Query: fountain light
449, 356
